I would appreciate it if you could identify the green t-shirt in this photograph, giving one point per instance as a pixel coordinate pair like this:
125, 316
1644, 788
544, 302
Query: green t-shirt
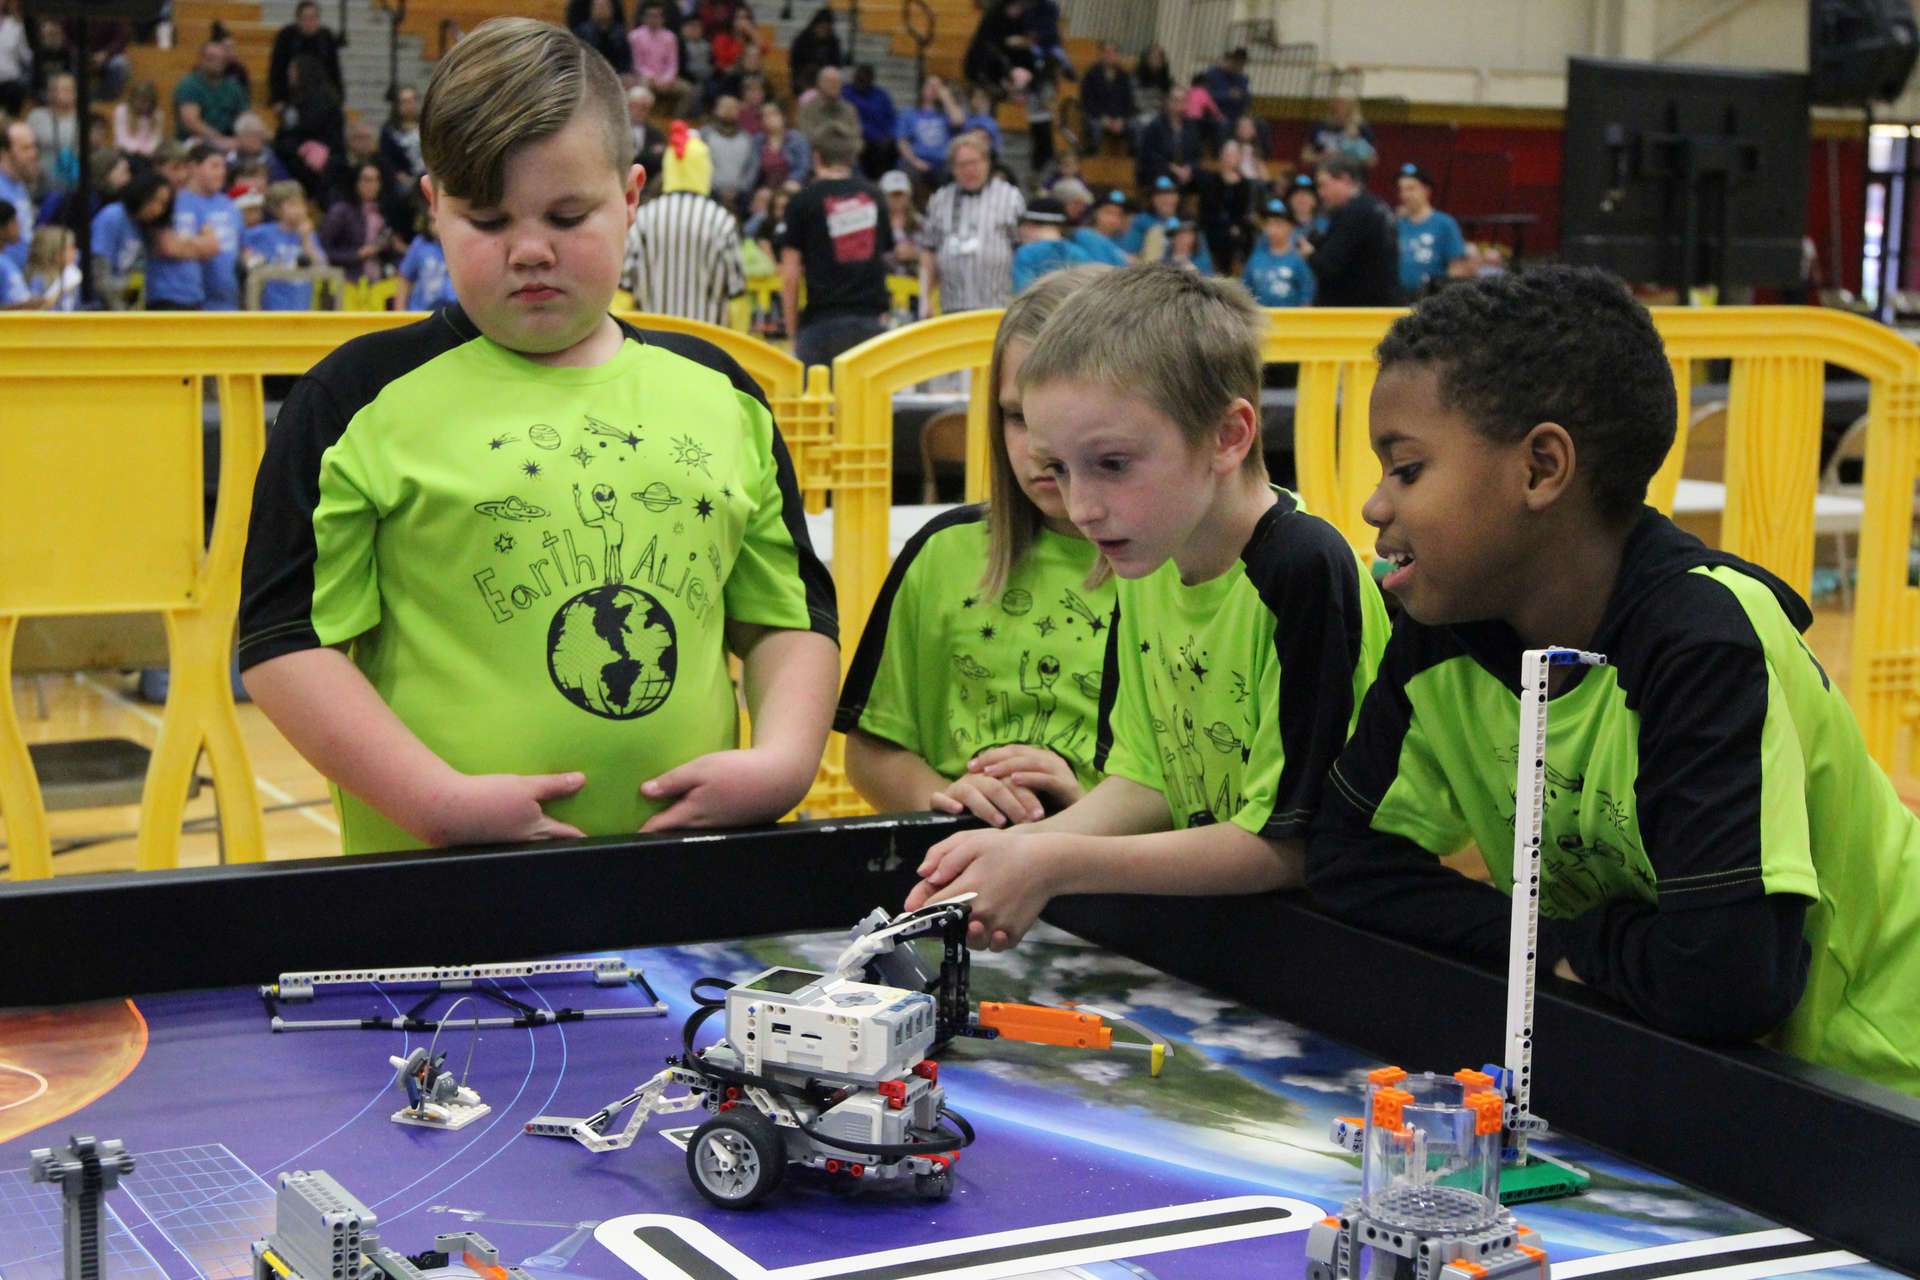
1713, 762
946, 672
532, 565
1232, 697
220, 101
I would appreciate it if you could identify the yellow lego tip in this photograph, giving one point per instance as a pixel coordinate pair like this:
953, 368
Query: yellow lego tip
280, 1268
1156, 1059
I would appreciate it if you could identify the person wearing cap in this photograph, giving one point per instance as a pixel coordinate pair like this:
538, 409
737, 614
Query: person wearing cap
1101, 240
1431, 246
904, 220
1044, 246
837, 234
1147, 238
1276, 273
1303, 202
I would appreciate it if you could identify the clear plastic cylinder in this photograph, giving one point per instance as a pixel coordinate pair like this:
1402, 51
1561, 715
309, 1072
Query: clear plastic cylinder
1432, 1155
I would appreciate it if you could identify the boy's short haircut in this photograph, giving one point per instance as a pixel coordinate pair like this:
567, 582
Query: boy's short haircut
279, 193
1552, 344
836, 145
1342, 165
168, 152
1188, 344
202, 151
511, 82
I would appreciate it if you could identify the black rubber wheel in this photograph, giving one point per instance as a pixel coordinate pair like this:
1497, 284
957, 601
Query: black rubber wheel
736, 1158
933, 1186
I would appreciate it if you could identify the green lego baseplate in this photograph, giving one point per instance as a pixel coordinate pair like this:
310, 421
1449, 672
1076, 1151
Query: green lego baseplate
1539, 1178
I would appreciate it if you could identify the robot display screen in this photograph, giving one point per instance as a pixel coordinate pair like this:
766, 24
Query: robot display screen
782, 981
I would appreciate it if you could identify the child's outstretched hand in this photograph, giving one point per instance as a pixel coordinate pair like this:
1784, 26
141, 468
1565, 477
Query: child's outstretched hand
726, 789
497, 807
1035, 768
1007, 870
989, 799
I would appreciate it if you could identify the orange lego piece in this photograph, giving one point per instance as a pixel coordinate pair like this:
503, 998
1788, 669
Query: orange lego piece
1389, 1107
1538, 1255
1473, 1079
1386, 1075
1463, 1267
1329, 1221
1036, 1024
1489, 1111
485, 1270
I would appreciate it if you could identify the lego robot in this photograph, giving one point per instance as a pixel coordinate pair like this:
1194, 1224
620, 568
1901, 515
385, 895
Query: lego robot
321, 1231
831, 1071
1433, 1148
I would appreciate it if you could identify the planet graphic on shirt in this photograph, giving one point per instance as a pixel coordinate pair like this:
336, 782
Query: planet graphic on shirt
545, 436
1221, 734
1016, 601
656, 497
611, 651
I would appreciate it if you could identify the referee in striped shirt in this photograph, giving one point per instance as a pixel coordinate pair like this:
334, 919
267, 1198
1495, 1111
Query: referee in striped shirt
683, 252
969, 232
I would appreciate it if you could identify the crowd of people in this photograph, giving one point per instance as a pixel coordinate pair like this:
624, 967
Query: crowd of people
188, 202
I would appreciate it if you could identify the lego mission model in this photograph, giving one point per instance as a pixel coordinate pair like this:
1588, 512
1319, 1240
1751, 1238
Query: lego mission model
321, 1231
831, 1071
1432, 1147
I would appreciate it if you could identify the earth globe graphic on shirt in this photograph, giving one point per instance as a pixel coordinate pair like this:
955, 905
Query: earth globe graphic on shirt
611, 650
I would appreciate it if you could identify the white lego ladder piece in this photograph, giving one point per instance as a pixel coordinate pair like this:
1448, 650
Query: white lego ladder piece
606, 971
1524, 937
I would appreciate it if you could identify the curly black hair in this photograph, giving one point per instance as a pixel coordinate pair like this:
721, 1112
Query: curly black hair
1551, 344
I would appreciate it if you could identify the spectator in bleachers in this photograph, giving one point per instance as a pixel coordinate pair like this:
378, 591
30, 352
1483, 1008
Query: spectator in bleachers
1356, 262
1102, 238
56, 130
205, 207
424, 282
137, 123
236, 65
822, 105
1227, 84
117, 241
817, 46
1163, 206
1344, 132
250, 148
969, 232
206, 102
904, 219
720, 16
1250, 153
1431, 246
980, 119
1044, 246
1106, 100
731, 41
1228, 205
110, 173
1065, 165
16, 59
785, 154
177, 245
649, 143
1169, 147
878, 124
400, 137
52, 55
837, 236
696, 62
305, 36
683, 251
924, 132
1303, 202
1075, 196
603, 32
1277, 275
749, 67
14, 295
19, 176
1043, 38
355, 233
753, 103
106, 53
1204, 115
579, 10
312, 128
1000, 54
655, 50
284, 239
1185, 248
735, 152
53, 270
1152, 84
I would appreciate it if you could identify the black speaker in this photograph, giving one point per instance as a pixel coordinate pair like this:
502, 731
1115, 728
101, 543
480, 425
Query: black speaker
1860, 50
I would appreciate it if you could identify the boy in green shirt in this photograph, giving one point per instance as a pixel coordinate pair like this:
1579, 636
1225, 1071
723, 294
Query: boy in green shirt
1718, 850
498, 556
1245, 632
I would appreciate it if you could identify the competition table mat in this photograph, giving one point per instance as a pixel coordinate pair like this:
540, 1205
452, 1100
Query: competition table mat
1084, 1166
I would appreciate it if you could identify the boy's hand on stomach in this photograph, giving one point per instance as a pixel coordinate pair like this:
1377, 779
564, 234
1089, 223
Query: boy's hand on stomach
1008, 870
1035, 768
726, 789
496, 807
989, 799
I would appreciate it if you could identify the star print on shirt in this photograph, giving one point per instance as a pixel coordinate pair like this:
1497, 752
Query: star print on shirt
969, 602
1045, 626
530, 468
703, 509
987, 632
503, 543
1199, 672
501, 442
1145, 647
582, 457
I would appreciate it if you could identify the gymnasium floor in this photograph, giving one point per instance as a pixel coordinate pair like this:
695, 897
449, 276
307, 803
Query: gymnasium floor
299, 817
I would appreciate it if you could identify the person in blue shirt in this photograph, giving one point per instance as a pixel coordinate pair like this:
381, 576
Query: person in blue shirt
19, 169
285, 239
202, 207
424, 285
177, 247
980, 116
1303, 202
1043, 244
117, 244
14, 294
1101, 239
1430, 241
879, 122
1277, 273
925, 131
1163, 202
